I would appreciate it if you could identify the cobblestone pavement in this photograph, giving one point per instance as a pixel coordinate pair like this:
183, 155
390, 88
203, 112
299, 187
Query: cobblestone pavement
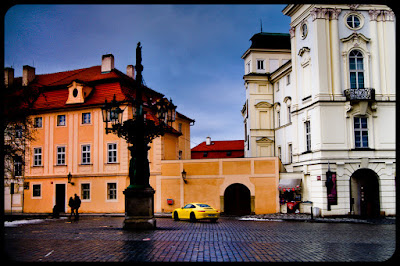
102, 239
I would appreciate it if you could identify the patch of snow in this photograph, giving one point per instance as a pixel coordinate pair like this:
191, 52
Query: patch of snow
20, 222
259, 219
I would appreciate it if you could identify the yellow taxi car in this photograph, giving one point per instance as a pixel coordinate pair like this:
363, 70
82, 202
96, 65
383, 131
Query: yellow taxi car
196, 211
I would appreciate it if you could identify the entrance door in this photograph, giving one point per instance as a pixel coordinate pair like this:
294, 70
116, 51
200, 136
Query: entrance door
365, 193
60, 197
237, 200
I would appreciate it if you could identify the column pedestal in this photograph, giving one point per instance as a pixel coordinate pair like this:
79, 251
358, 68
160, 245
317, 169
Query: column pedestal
139, 208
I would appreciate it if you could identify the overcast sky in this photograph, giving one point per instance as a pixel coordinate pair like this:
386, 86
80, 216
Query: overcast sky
191, 53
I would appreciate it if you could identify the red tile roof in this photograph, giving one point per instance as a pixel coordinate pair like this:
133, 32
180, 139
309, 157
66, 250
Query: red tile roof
220, 145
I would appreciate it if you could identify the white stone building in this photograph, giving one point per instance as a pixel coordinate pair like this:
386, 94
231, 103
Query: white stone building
334, 108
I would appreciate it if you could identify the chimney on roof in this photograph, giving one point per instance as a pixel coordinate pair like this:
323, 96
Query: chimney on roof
8, 76
130, 71
28, 74
208, 141
107, 63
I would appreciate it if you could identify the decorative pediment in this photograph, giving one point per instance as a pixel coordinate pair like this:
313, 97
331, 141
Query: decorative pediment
303, 50
264, 140
78, 91
263, 104
287, 100
305, 56
355, 38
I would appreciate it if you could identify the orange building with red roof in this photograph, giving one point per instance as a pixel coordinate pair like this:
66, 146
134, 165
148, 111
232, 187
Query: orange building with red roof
70, 139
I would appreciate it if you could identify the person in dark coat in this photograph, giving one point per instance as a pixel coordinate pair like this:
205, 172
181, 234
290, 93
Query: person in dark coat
77, 204
71, 203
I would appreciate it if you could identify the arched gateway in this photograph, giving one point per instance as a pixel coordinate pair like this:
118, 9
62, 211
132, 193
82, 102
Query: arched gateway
237, 200
364, 193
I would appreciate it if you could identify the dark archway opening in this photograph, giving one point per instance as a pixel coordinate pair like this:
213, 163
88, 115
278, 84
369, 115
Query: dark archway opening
237, 200
364, 194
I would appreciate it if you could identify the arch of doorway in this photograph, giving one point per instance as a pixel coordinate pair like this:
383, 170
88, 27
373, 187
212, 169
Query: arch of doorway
243, 180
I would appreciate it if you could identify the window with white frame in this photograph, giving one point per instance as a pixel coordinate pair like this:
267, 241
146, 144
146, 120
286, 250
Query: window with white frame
248, 67
290, 153
36, 190
37, 156
86, 118
361, 132
85, 191
308, 135
61, 155
277, 86
38, 122
356, 68
289, 114
260, 64
288, 79
61, 121
85, 154
111, 191
112, 152
278, 118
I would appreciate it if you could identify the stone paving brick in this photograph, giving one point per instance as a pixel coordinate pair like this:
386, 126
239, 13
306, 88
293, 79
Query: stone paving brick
102, 239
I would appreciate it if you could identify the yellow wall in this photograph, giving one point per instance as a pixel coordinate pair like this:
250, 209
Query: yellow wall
208, 179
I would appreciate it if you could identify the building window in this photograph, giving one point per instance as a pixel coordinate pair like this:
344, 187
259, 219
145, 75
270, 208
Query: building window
353, 21
279, 152
37, 156
36, 190
289, 114
288, 79
248, 68
278, 118
85, 191
180, 155
111, 191
86, 118
260, 65
361, 132
273, 65
17, 166
290, 153
356, 62
112, 152
180, 127
205, 154
61, 155
60, 120
18, 132
85, 154
308, 135
304, 30
37, 122
229, 153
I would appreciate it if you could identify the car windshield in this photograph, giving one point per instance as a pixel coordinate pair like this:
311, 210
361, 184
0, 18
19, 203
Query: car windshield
203, 205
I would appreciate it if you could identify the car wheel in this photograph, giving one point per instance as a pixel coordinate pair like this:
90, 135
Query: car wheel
213, 220
192, 217
176, 217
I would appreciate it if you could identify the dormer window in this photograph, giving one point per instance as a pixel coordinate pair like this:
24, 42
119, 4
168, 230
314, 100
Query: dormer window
78, 92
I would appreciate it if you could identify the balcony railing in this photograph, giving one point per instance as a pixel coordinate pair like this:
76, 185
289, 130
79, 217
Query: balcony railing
360, 94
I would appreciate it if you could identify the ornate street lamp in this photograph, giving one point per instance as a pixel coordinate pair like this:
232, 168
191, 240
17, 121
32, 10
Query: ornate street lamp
139, 132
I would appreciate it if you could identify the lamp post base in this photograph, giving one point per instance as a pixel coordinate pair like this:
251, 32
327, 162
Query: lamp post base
139, 208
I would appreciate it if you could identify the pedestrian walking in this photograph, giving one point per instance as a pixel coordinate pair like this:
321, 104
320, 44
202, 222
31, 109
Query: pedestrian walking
71, 203
77, 203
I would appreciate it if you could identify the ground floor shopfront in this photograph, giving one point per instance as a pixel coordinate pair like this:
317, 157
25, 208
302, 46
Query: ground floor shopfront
233, 186
361, 188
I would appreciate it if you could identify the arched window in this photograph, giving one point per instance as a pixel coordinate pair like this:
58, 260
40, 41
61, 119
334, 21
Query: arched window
356, 63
